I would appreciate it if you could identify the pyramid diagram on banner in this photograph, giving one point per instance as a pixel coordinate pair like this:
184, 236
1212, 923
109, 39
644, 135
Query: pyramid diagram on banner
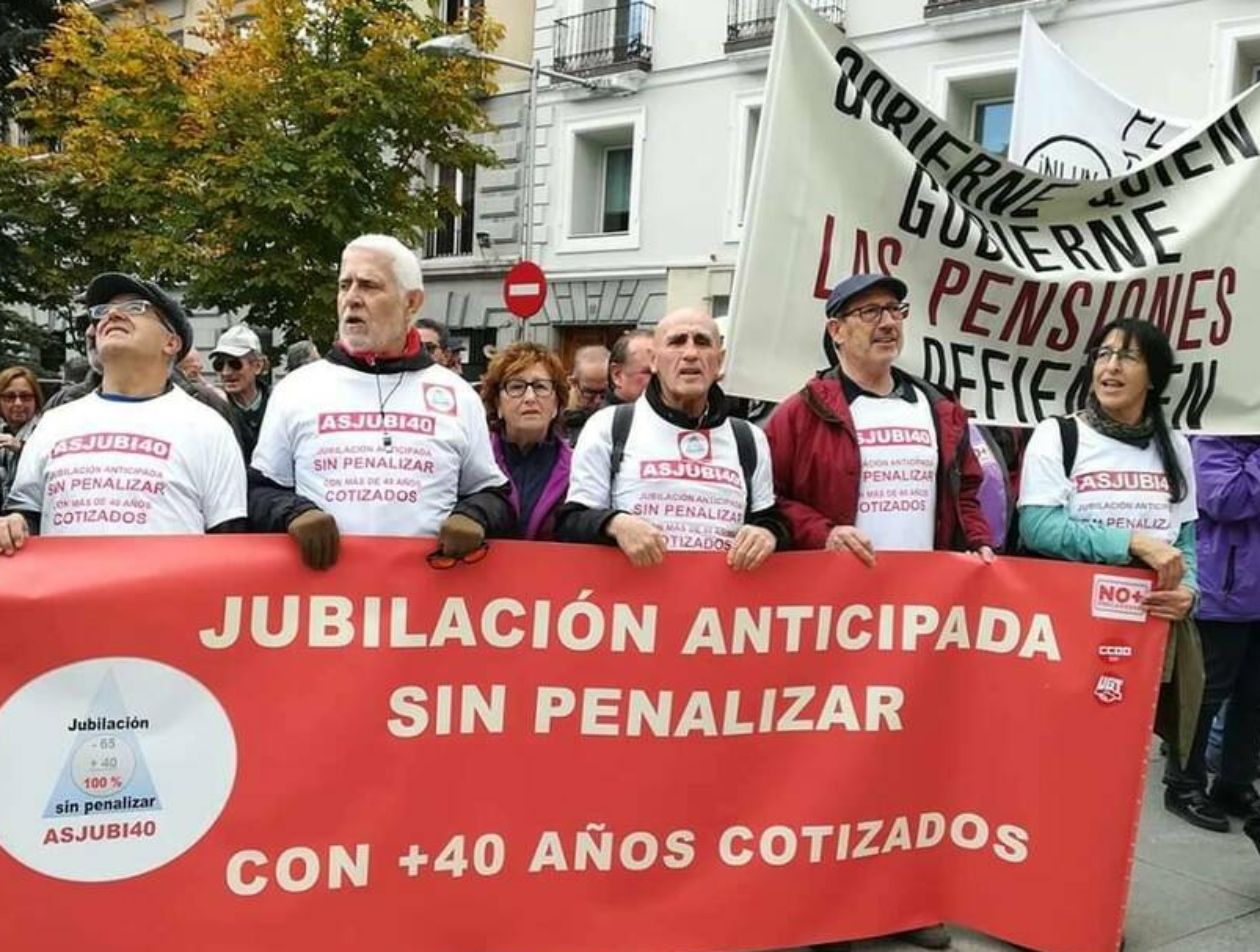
105, 771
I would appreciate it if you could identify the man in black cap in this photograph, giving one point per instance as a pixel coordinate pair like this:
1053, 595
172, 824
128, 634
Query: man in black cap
138, 456
869, 458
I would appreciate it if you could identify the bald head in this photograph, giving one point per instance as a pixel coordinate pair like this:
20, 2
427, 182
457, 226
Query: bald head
590, 376
689, 316
687, 358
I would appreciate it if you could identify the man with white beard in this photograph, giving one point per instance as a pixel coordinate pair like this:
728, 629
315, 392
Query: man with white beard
376, 438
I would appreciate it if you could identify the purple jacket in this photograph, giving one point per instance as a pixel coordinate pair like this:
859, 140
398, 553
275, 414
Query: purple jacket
1227, 482
995, 491
542, 521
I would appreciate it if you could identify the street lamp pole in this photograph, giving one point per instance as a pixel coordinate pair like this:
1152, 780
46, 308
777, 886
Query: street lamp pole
461, 44
527, 190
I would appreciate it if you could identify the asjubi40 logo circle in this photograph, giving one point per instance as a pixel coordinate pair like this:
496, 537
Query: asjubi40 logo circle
111, 768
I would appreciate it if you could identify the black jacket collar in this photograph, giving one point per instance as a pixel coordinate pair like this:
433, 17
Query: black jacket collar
414, 357
714, 411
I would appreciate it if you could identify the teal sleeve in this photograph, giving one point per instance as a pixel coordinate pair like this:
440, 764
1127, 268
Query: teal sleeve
1049, 530
1189, 556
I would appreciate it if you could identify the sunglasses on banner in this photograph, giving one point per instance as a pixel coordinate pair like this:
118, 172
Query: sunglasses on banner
438, 559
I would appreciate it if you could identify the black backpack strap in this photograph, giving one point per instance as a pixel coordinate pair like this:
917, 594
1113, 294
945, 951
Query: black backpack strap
623, 417
1070, 437
747, 448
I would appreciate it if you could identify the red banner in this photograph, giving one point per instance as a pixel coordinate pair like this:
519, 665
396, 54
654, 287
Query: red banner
204, 746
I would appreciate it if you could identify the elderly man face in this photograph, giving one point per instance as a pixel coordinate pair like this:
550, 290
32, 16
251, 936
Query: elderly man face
431, 341
373, 311
590, 378
687, 357
239, 375
630, 379
191, 366
868, 332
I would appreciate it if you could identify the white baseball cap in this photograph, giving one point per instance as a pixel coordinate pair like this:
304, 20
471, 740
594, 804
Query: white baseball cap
237, 341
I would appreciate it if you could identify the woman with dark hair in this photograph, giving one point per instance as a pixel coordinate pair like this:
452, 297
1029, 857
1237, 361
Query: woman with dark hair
523, 390
1129, 493
1113, 485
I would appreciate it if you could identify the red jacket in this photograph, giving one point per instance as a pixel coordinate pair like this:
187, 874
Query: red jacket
817, 466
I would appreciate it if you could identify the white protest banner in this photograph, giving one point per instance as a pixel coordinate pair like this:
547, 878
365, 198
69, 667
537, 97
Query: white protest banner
1010, 274
1067, 124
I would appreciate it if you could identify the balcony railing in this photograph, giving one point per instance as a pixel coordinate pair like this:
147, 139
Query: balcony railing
941, 8
606, 41
750, 23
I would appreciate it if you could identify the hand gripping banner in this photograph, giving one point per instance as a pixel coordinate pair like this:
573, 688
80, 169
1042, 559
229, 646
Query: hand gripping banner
205, 746
1010, 273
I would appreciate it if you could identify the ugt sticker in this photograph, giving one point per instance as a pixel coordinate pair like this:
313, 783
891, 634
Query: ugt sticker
1109, 689
1118, 597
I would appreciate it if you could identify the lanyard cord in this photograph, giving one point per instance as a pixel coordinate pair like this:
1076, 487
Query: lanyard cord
387, 440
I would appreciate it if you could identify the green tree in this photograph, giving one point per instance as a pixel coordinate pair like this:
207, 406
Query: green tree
237, 173
104, 184
317, 124
23, 27
25, 343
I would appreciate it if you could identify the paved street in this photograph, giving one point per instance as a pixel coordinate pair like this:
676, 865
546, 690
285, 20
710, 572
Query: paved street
1193, 891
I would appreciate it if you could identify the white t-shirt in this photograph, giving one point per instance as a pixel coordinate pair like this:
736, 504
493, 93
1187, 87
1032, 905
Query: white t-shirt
385, 455
687, 483
897, 491
104, 466
1112, 483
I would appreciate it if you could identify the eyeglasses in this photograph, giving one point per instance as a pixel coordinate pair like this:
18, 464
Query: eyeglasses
17, 397
231, 363
874, 313
542, 388
1103, 355
438, 559
431, 347
98, 312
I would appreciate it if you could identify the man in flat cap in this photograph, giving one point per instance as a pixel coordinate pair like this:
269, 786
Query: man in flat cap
138, 456
868, 458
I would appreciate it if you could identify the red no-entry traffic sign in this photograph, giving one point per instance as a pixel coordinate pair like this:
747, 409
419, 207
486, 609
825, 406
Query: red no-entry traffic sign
524, 289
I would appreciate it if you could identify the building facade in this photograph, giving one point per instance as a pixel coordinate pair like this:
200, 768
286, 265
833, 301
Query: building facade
636, 191
467, 257
639, 197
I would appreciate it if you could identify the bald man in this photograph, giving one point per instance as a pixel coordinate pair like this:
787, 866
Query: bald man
670, 471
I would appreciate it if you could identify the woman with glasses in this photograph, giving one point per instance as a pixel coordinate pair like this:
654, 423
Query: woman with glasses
523, 390
1128, 495
1113, 485
20, 403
